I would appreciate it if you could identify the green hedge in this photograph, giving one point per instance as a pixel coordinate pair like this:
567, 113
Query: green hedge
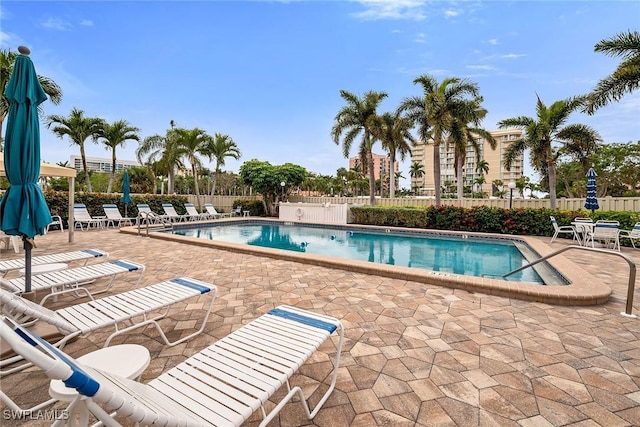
483, 219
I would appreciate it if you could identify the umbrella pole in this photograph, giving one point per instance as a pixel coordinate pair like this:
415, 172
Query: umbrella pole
27, 263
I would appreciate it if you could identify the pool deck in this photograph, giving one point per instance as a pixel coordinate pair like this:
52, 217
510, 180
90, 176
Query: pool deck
416, 354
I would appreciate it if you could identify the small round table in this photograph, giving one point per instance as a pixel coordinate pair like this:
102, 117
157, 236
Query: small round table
125, 360
44, 268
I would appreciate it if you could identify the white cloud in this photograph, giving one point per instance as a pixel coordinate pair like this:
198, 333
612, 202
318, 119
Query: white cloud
392, 9
420, 38
481, 67
86, 23
450, 13
492, 41
56, 24
513, 55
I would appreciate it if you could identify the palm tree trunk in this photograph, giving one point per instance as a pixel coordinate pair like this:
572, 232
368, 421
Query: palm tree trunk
372, 177
392, 175
460, 183
436, 166
171, 180
84, 168
195, 183
552, 184
112, 175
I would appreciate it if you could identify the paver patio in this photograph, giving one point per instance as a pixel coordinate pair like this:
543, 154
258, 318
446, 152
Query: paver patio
415, 354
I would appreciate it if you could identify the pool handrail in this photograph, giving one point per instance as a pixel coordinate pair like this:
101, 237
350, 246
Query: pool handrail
632, 270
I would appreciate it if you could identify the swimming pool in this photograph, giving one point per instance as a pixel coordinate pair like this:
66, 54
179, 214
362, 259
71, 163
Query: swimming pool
461, 254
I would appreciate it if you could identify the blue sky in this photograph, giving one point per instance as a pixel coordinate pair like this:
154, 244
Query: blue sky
268, 73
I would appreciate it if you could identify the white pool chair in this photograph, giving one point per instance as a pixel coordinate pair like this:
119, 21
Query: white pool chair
607, 232
193, 213
73, 279
147, 216
213, 212
563, 229
224, 384
63, 257
56, 220
633, 234
82, 218
171, 214
114, 217
121, 313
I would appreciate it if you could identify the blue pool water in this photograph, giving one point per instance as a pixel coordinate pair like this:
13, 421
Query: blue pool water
466, 255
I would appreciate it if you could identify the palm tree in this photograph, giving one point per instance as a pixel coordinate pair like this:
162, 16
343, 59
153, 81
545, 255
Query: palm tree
625, 79
7, 60
416, 170
434, 112
392, 130
191, 143
112, 136
355, 118
482, 167
161, 152
540, 133
462, 136
78, 128
221, 147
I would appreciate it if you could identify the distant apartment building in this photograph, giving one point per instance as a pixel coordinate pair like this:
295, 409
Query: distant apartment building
381, 165
423, 154
99, 164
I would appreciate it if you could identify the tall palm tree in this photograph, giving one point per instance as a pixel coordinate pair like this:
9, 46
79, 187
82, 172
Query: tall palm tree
416, 170
463, 136
625, 79
393, 131
78, 128
482, 167
542, 132
190, 144
354, 118
434, 112
220, 148
7, 61
161, 152
115, 134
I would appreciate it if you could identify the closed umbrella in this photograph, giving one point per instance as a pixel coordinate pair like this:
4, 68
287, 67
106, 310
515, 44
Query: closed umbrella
592, 200
126, 190
23, 209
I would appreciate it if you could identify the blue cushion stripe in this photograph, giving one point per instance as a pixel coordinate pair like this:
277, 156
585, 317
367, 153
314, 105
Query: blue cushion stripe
196, 286
303, 319
606, 226
126, 265
78, 379
92, 252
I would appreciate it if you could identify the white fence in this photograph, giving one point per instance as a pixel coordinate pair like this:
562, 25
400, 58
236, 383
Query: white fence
323, 213
225, 203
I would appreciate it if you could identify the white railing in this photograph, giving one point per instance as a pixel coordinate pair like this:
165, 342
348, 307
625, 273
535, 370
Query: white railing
323, 213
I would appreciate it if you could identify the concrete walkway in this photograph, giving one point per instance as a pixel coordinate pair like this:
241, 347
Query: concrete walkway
416, 354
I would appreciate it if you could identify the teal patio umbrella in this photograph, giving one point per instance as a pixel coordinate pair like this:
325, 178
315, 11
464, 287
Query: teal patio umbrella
126, 191
23, 209
591, 202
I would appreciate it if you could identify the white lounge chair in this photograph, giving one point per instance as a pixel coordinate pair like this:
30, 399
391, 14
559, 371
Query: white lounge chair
147, 216
633, 234
563, 229
122, 313
221, 385
65, 281
56, 220
82, 218
213, 212
171, 214
65, 257
193, 213
114, 217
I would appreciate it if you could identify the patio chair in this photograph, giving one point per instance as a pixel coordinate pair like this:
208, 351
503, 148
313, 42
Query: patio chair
121, 313
633, 234
213, 212
171, 214
82, 255
82, 218
237, 211
607, 232
147, 216
221, 385
115, 217
71, 280
193, 213
563, 229
56, 221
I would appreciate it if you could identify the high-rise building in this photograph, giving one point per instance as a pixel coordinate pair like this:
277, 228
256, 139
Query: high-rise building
423, 154
101, 164
381, 165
